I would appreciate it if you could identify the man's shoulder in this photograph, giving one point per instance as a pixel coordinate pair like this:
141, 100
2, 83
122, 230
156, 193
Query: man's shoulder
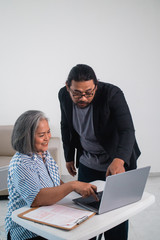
107, 85
107, 88
62, 90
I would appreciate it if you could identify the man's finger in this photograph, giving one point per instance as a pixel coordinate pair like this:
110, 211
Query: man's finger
74, 172
70, 171
108, 173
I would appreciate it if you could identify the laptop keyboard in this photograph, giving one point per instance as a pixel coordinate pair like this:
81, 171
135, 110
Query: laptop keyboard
96, 204
99, 195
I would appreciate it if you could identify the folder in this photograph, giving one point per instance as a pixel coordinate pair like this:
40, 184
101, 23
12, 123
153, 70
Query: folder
56, 215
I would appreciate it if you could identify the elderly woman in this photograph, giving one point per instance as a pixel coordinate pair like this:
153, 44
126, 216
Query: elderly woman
33, 177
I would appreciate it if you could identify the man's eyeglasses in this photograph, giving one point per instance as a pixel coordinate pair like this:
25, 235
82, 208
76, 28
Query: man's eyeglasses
78, 95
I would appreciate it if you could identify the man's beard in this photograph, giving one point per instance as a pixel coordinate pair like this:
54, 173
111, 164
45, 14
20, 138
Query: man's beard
82, 104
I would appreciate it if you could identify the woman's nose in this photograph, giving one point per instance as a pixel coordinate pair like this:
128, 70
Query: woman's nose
47, 137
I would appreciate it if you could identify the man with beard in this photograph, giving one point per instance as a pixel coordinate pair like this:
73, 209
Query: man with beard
96, 122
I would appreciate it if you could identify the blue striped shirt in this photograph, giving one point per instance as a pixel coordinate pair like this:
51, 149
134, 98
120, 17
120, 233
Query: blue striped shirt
27, 175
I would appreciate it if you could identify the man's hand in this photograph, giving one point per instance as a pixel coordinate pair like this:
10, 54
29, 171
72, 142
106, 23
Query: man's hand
117, 166
71, 168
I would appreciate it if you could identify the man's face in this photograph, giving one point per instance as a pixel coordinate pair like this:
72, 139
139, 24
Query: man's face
82, 93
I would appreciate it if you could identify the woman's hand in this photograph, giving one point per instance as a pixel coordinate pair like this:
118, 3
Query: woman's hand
86, 189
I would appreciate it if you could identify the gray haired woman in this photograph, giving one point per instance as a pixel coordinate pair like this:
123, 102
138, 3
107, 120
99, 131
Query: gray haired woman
33, 176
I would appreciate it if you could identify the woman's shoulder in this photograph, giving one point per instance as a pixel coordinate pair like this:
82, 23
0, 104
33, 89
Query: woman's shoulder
19, 159
19, 156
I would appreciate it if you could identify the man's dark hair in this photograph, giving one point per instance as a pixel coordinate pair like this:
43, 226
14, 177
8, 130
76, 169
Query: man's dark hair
80, 73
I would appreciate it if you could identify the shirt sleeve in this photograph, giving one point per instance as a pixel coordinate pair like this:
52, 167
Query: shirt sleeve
26, 182
124, 124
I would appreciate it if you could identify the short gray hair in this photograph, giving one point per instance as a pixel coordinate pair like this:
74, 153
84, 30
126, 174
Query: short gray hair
22, 139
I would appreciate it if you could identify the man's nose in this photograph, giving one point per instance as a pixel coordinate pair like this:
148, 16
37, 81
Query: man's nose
83, 96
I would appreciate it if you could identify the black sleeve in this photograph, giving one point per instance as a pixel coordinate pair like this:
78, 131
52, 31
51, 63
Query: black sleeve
68, 146
123, 120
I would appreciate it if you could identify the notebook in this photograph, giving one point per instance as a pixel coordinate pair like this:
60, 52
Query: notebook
119, 190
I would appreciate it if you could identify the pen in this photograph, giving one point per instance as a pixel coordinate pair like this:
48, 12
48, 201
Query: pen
82, 219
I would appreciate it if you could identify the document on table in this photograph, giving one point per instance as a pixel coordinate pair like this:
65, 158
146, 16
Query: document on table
57, 215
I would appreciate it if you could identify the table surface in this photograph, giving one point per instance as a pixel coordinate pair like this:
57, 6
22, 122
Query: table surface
93, 226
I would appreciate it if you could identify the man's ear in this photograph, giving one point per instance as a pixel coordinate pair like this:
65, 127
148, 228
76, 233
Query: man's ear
67, 87
97, 84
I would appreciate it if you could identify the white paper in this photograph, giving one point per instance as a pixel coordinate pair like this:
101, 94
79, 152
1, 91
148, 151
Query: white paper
58, 215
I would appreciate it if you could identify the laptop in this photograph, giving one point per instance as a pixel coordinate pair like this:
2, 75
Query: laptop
119, 190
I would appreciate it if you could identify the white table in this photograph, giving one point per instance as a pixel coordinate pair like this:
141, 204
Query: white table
93, 226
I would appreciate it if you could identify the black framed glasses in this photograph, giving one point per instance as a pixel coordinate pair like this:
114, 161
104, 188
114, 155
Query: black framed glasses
78, 94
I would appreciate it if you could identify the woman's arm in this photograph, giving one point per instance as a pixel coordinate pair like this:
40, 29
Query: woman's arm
49, 196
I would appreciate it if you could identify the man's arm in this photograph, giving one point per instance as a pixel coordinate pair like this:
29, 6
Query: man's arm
124, 124
68, 146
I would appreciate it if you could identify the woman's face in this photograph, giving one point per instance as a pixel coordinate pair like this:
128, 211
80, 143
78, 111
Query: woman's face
42, 136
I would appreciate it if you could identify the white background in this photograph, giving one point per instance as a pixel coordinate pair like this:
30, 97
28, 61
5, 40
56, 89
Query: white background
41, 40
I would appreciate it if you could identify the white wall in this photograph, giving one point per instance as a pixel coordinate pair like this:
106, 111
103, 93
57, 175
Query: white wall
41, 40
